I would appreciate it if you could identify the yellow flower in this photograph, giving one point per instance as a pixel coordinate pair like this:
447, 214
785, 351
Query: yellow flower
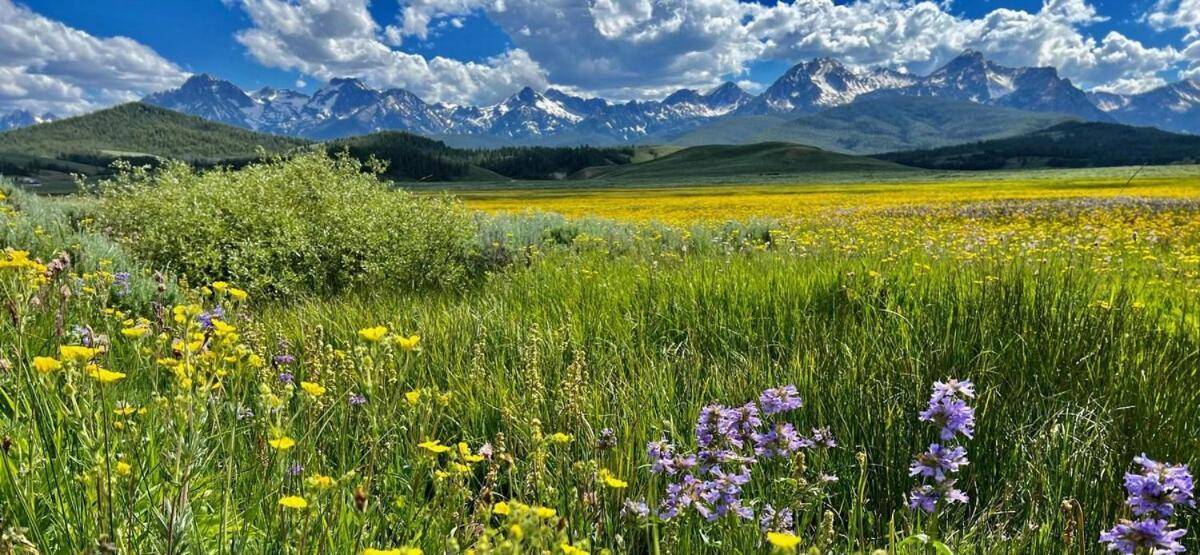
413, 397
77, 353
136, 332
407, 343
433, 446
293, 502
320, 481
374, 335
283, 444
569, 549
312, 389
559, 437
545, 512
783, 540
46, 365
124, 410
502, 508
102, 375
465, 452
612, 481
238, 294
516, 531
220, 286
123, 468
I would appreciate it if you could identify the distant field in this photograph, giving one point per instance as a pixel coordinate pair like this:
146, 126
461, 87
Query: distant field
674, 203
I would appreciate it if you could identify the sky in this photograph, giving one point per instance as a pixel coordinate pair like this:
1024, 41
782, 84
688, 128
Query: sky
69, 57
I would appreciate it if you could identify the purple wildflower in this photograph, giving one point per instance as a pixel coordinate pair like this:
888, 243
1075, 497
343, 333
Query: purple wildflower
738, 423
286, 377
952, 414
781, 441
607, 439
1149, 535
357, 400
780, 399
284, 359
953, 388
926, 497
121, 280
938, 461
635, 509
295, 469
822, 437
205, 318
1159, 488
86, 337
706, 424
770, 520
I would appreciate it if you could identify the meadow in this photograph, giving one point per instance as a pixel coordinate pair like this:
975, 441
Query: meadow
637, 370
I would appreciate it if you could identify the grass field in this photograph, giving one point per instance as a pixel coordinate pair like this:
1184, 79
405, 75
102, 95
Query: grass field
552, 404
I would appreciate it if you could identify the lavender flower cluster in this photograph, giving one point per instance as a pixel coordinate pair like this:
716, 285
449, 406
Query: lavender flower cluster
731, 440
1154, 494
949, 411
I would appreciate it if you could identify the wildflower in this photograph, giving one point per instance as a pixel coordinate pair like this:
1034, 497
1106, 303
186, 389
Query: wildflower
104, 376
770, 520
282, 444
373, 335
612, 481
433, 446
123, 468
123, 409
356, 400
283, 360
502, 509
293, 502
737, 424
464, 451
569, 549
220, 286
952, 414
948, 410
516, 531
938, 461
706, 424
77, 353
295, 470
607, 439
136, 332
238, 294
560, 438
286, 377
544, 512
1144, 536
783, 540
782, 441
409, 343
780, 399
121, 281
320, 481
46, 365
635, 509
413, 397
313, 389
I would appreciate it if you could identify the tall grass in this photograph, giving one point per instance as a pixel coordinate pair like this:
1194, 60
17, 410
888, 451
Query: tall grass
1077, 322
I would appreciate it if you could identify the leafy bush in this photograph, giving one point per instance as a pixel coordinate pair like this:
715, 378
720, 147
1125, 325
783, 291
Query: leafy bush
310, 224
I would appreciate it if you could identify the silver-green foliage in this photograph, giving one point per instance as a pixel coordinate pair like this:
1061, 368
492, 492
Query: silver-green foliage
309, 224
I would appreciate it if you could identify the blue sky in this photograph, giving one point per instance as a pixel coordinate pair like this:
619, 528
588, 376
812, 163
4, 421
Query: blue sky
75, 56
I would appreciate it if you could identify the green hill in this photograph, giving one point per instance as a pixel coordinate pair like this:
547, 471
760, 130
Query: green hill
1067, 145
137, 129
879, 125
762, 159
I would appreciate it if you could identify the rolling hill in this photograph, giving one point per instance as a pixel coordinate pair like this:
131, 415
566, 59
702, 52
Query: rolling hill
879, 125
761, 159
1067, 145
141, 129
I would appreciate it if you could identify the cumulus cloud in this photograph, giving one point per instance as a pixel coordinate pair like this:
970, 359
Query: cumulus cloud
48, 66
331, 38
1181, 14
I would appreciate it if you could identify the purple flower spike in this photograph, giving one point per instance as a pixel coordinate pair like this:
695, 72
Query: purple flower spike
780, 399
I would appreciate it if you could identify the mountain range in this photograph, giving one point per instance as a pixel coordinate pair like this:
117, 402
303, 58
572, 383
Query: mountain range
348, 107
23, 118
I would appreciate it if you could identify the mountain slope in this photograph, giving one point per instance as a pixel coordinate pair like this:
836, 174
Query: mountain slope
1067, 145
1174, 107
741, 160
142, 129
880, 125
23, 118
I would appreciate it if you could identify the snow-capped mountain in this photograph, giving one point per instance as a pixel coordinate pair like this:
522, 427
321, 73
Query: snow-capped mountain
820, 84
973, 78
349, 107
1174, 107
23, 118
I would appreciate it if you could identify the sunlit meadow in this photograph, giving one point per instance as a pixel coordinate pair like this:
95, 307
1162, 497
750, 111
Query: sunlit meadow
912, 370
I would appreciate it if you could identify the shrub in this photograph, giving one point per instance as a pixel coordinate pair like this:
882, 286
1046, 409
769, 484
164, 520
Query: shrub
309, 224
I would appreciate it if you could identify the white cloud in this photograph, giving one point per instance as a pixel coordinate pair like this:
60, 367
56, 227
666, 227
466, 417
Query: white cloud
329, 38
1181, 14
48, 66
